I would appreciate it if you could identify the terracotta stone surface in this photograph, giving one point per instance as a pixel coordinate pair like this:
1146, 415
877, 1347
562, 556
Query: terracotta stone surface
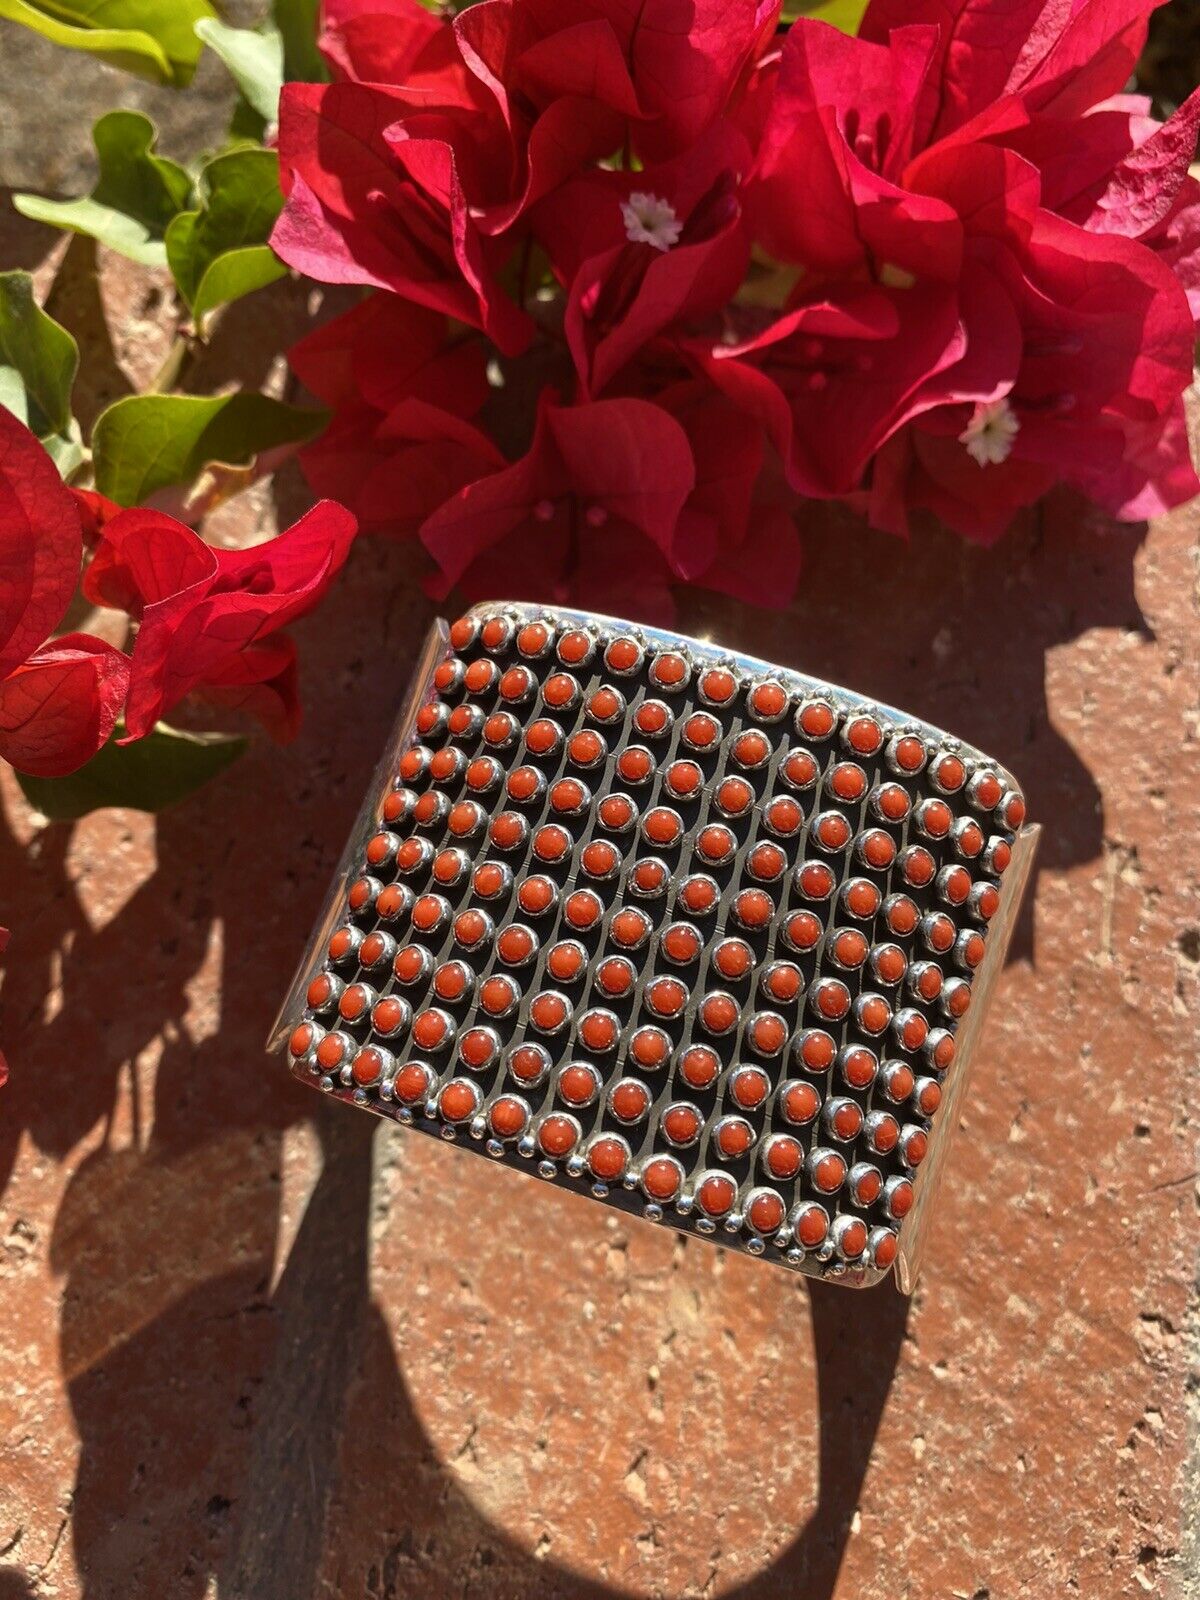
255, 1345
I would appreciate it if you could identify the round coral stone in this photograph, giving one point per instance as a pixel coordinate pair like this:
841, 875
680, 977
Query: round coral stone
543, 736
389, 1016
782, 982
623, 655
650, 1048
566, 961
412, 1083
701, 732
599, 1030
583, 909
754, 908
490, 879
653, 717
799, 1102
662, 826
749, 1087
452, 980
629, 1100
864, 736
828, 1171
811, 1226
719, 1013
815, 880
586, 748
618, 812
606, 704
699, 1066
784, 1158
599, 859
528, 1063
768, 700
551, 843
751, 749
698, 894
536, 895
459, 1100
558, 1135
477, 1048
666, 997
847, 781
715, 1194
578, 1084
497, 996
524, 784
816, 719
630, 928
548, 1012
816, 1050
681, 943
718, 686
575, 647
734, 797
608, 1157
765, 1211
682, 1123
615, 976
662, 1178
849, 948
560, 690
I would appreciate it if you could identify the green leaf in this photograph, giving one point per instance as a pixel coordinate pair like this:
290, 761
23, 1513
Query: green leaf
844, 14
236, 273
254, 58
136, 195
153, 38
155, 772
219, 252
149, 442
298, 24
38, 359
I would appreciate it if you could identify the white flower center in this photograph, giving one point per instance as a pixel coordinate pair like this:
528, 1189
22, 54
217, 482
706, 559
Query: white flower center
990, 433
650, 220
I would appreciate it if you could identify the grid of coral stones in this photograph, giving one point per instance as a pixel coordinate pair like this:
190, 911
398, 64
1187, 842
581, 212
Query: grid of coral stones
677, 928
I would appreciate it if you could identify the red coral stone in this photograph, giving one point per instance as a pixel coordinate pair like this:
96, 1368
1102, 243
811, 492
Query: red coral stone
766, 1211
629, 1100
799, 1103
716, 1194
558, 1135
508, 1117
459, 1100
662, 1178
682, 1123
699, 1066
608, 1157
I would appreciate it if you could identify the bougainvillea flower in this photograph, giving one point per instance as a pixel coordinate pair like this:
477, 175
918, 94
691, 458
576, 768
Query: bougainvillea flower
1057, 59
60, 704
946, 264
402, 390
593, 509
383, 187
212, 618
664, 68
737, 509
828, 188
59, 698
872, 358
639, 253
383, 41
